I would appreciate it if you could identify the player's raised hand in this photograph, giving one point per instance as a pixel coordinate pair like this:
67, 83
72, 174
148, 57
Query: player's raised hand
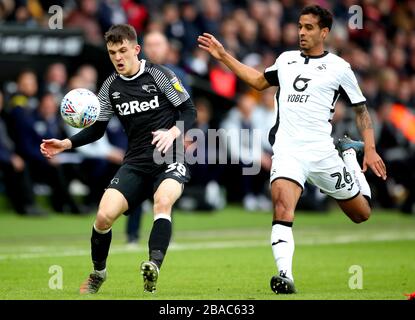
374, 162
51, 147
209, 43
163, 139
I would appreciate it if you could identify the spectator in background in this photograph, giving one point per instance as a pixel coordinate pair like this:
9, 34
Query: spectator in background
156, 48
248, 35
26, 127
89, 75
198, 63
246, 116
6, 9
192, 24
23, 13
230, 34
211, 15
29, 128
16, 177
270, 35
204, 192
85, 16
173, 24
112, 12
55, 80
26, 95
137, 14
388, 80
398, 149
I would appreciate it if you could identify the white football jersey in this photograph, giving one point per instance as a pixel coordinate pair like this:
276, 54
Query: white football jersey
308, 90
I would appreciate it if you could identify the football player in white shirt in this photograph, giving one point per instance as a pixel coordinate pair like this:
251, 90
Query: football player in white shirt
309, 83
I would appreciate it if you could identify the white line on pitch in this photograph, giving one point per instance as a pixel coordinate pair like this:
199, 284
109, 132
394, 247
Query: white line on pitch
45, 252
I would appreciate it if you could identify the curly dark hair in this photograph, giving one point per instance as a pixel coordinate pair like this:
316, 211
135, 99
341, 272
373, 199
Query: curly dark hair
325, 17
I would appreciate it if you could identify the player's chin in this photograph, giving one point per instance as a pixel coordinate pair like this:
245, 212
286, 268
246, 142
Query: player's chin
121, 69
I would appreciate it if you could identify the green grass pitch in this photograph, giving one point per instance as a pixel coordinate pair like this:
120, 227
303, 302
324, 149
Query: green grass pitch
222, 255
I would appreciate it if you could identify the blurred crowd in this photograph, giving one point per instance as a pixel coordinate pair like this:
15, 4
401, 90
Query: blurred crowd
382, 54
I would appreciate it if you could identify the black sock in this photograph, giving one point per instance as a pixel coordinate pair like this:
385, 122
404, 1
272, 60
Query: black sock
100, 245
159, 240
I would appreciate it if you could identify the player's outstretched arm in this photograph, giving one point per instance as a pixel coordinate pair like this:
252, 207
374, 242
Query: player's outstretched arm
251, 76
51, 147
371, 158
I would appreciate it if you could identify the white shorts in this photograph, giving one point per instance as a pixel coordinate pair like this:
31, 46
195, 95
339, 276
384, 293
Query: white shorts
326, 171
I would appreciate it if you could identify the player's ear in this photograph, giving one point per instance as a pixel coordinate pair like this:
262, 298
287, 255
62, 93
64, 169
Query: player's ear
137, 49
325, 32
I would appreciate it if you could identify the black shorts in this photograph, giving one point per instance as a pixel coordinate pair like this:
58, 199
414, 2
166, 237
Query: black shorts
139, 182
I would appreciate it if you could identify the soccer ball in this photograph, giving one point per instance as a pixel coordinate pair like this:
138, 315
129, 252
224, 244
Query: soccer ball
80, 108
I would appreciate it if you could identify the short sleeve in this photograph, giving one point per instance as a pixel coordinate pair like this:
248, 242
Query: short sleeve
271, 73
349, 88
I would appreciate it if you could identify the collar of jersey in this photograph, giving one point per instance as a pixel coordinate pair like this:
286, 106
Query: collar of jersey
139, 73
315, 57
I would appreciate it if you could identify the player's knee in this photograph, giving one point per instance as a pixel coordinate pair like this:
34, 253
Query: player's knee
104, 220
162, 204
361, 216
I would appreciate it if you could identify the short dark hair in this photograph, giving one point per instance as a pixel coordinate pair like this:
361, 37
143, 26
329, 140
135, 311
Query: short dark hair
119, 33
325, 17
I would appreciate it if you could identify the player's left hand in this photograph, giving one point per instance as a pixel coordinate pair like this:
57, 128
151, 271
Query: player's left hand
374, 162
164, 139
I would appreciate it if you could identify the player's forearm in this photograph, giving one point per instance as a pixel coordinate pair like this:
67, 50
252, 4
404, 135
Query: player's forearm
251, 76
67, 144
187, 115
88, 135
365, 126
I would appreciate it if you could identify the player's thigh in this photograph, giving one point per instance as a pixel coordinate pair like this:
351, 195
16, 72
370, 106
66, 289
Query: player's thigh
288, 174
169, 184
169, 190
111, 206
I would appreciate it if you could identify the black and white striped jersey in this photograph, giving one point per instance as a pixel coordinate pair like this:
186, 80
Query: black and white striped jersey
144, 103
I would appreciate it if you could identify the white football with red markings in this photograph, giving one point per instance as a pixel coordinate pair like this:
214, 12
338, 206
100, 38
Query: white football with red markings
80, 108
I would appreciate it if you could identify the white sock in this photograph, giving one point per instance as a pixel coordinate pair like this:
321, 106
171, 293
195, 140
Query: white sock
350, 160
162, 216
282, 243
101, 231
